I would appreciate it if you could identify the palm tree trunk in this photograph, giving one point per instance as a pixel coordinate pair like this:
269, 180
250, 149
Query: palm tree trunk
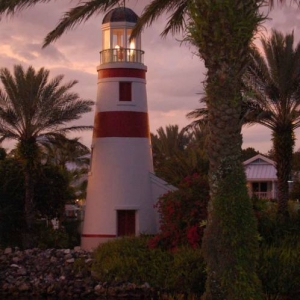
230, 243
28, 152
29, 211
222, 31
284, 141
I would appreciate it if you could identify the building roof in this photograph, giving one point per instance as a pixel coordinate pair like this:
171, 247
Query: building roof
120, 14
260, 168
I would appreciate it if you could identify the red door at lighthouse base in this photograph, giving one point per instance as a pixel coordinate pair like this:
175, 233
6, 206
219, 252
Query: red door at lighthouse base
126, 222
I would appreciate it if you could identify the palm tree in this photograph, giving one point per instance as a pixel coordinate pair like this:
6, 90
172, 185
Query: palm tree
166, 142
273, 81
61, 152
222, 32
32, 109
178, 153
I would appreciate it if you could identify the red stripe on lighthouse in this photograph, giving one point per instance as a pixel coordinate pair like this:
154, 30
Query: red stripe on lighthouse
121, 124
118, 72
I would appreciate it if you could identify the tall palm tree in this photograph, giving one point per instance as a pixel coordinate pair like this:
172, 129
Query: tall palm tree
32, 109
222, 32
273, 81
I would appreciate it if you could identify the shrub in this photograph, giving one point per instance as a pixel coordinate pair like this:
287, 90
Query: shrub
279, 268
51, 238
271, 229
12, 221
130, 259
181, 213
72, 229
279, 262
187, 272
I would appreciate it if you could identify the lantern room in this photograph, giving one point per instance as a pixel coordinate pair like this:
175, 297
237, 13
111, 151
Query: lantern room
117, 27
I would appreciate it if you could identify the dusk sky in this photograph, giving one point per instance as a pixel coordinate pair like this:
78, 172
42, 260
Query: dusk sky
174, 77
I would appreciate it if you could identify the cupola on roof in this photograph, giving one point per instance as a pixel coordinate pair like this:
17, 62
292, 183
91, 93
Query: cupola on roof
121, 14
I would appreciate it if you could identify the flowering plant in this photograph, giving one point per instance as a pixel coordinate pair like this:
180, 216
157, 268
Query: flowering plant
181, 213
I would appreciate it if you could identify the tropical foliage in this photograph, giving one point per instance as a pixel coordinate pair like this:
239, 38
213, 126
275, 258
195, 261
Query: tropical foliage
52, 191
182, 213
129, 259
72, 158
11, 202
279, 263
178, 153
34, 108
272, 80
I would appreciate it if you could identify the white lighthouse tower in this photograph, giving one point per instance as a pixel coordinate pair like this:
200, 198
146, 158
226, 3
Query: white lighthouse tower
122, 188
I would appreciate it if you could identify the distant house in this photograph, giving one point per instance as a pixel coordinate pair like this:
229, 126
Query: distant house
72, 211
261, 177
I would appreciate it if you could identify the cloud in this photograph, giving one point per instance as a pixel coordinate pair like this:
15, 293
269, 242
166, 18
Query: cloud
174, 77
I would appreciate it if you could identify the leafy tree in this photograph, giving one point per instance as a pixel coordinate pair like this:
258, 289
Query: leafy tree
52, 192
296, 161
222, 32
2, 153
248, 153
72, 158
11, 202
34, 108
273, 81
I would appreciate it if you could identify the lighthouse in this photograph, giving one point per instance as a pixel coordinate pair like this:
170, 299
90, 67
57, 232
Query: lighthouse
122, 188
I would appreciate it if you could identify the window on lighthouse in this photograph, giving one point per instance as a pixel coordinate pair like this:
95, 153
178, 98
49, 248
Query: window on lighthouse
125, 93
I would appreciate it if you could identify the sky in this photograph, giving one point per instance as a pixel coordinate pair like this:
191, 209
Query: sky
175, 74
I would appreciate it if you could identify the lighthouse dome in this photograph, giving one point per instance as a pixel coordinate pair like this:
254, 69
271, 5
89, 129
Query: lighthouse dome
121, 14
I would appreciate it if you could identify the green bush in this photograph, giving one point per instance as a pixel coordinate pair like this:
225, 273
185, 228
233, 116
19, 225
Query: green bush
279, 262
271, 229
72, 229
187, 272
51, 238
130, 259
279, 268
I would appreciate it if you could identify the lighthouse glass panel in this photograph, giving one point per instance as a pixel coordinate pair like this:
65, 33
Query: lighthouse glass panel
106, 39
131, 46
118, 38
118, 44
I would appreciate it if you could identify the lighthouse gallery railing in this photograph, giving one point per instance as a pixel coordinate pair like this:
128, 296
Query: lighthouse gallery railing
121, 55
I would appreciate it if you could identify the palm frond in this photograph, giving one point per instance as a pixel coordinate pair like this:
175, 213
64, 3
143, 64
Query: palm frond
176, 9
10, 7
77, 15
31, 106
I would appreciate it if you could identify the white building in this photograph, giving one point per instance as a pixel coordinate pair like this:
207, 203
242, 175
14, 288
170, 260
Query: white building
261, 177
122, 188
